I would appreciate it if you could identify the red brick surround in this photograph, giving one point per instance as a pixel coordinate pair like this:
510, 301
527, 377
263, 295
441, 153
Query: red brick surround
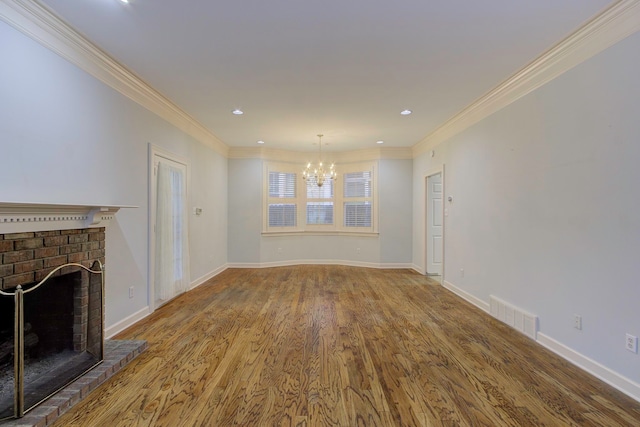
29, 257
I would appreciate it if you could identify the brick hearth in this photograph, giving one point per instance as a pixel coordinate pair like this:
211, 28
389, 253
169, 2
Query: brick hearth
117, 354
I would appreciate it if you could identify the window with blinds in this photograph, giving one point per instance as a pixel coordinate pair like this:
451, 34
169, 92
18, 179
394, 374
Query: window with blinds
358, 199
344, 205
282, 209
282, 185
320, 203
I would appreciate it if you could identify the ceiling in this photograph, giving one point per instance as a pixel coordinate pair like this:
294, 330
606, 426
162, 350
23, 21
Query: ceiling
341, 68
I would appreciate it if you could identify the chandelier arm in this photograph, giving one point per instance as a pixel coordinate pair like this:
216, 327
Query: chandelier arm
319, 174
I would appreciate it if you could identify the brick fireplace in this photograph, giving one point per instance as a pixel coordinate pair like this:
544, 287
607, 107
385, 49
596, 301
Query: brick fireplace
52, 285
62, 320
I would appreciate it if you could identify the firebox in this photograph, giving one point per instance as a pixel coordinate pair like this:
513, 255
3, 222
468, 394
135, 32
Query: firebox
51, 332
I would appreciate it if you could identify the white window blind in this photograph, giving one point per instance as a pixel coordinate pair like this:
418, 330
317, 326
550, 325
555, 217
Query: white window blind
320, 213
282, 209
282, 215
357, 184
358, 199
282, 185
347, 204
320, 203
357, 214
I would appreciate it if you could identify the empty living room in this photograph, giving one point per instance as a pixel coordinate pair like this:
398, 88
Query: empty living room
319, 213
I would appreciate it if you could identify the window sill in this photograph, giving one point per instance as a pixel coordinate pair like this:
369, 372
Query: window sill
321, 233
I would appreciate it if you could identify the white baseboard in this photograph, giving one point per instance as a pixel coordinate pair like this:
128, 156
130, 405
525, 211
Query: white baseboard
417, 268
141, 314
614, 379
605, 374
126, 322
387, 265
200, 280
467, 296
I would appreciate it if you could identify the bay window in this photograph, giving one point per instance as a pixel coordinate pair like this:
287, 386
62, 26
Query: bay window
344, 205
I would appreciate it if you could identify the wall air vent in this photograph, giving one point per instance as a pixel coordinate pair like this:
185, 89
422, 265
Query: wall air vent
513, 316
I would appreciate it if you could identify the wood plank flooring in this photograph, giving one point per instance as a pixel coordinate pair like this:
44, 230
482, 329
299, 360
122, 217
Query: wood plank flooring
341, 346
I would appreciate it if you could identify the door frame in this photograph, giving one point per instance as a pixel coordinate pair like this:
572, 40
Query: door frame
155, 151
435, 171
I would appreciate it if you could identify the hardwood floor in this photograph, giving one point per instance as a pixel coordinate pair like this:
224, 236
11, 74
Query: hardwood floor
333, 345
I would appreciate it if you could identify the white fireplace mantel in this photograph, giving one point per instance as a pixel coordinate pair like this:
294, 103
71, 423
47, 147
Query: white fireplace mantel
18, 217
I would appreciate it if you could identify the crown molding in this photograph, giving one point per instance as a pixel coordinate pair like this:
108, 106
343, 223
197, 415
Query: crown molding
36, 21
609, 27
303, 156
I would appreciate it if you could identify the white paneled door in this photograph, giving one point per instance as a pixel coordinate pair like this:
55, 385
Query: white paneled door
434, 224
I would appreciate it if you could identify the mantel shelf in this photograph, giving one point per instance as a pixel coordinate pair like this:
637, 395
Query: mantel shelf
20, 217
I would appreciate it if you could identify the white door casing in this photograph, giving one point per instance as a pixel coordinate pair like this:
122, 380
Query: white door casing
157, 156
434, 224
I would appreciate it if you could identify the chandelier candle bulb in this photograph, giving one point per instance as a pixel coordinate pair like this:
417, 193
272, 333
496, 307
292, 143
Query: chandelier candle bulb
319, 175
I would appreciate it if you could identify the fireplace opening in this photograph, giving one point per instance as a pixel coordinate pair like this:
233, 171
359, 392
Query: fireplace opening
62, 337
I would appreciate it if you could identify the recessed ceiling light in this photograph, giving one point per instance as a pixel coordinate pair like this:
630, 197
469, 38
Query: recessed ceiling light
379, 142
406, 112
124, 1
261, 142
238, 112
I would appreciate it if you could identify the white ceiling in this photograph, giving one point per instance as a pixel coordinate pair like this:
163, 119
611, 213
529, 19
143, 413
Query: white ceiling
342, 68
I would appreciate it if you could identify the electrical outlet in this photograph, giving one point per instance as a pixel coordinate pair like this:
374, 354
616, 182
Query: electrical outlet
131, 292
462, 272
631, 343
279, 250
577, 321
358, 250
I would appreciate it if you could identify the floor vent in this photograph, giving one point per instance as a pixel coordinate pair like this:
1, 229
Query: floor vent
515, 317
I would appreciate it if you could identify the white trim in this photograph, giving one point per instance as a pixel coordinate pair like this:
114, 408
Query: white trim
467, 296
435, 171
302, 157
126, 322
294, 262
320, 233
245, 265
614, 379
42, 25
609, 27
200, 280
19, 217
144, 312
416, 268
157, 152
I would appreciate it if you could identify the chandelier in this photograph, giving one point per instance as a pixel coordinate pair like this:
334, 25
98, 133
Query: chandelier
318, 174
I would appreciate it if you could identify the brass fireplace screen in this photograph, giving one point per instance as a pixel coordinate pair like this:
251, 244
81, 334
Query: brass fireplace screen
57, 335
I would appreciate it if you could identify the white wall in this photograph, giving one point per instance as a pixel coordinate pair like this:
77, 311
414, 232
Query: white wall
245, 207
67, 138
546, 194
395, 213
247, 245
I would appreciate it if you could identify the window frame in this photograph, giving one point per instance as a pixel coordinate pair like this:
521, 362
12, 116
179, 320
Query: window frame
338, 200
358, 200
268, 200
318, 227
